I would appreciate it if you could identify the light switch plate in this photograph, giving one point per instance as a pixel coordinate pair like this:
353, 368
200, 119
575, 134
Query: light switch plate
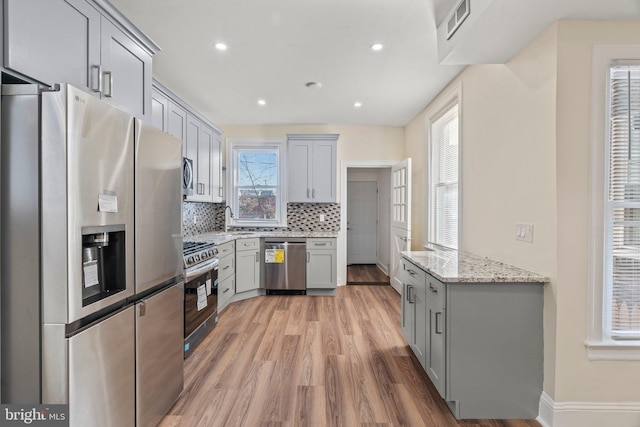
524, 232
321, 219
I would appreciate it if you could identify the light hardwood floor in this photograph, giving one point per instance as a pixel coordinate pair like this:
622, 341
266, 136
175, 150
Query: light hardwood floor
363, 274
311, 361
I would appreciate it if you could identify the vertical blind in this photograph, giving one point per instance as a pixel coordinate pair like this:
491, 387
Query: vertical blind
444, 179
622, 210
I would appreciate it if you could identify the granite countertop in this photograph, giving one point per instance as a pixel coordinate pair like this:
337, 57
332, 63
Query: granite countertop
449, 265
222, 237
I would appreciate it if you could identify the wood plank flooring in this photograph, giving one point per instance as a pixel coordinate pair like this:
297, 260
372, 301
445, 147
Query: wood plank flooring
366, 274
283, 361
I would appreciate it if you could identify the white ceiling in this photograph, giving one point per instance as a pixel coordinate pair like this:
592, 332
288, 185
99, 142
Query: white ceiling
276, 46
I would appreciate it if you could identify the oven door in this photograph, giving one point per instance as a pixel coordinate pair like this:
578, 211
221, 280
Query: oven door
200, 300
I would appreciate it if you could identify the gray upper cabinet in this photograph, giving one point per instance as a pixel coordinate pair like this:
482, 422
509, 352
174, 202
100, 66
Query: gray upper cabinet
126, 72
160, 111
79, 42
53, 41
311, 168
203, 147
201, 142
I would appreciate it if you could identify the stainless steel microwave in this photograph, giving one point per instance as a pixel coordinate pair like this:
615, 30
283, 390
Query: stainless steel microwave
187, 176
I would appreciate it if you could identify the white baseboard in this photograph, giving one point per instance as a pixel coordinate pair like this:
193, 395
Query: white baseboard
588, 414
383, 268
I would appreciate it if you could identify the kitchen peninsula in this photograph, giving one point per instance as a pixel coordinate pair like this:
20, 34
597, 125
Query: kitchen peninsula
476, 327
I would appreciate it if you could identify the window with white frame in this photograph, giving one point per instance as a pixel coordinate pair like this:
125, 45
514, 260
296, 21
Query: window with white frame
444, 162
255, 177
621, 264
614, 240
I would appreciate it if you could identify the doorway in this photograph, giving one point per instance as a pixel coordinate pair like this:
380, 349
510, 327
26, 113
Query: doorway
368, 225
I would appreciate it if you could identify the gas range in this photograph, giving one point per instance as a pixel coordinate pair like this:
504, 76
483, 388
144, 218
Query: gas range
198, 258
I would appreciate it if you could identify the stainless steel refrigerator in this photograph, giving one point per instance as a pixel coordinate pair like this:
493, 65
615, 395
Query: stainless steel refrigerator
81, 308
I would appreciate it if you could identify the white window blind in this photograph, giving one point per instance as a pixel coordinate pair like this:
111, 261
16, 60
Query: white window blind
444, 178
622, 206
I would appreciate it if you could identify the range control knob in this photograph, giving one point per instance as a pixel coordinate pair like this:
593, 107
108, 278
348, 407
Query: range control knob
197, 257
190, 260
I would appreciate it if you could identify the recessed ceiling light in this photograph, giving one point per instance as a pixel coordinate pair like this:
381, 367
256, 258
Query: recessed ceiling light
262, 102
376, 47
357, 104
313, 85
221, 46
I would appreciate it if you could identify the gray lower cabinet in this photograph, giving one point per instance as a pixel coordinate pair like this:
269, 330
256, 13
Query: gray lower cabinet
483, 343
414, 314
71, 41
322, 264
226, 273
247, 265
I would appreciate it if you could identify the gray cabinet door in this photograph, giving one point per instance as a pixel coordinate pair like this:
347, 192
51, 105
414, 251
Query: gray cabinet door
321, 269
203, 147
299, 174
126, 72
419, 338
247, 270
177, 124
160, 111
323, 172
435, 359
407, 313
53, 41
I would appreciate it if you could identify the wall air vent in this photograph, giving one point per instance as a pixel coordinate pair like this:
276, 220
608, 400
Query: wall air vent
457, 17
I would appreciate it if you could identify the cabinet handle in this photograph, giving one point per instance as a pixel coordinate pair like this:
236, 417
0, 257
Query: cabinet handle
219, 191
411, 272
432, 289
438, 316
98, 78
411, 294
257, 256
226, 267
110, 93
226, 290
313, 193
319, 244
308, 193
308, 257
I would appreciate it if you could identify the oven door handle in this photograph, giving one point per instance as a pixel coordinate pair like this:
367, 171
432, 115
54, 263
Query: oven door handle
209, 265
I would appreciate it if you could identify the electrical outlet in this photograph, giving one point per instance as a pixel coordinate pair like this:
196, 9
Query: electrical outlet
195, 219
524, 232
321, 219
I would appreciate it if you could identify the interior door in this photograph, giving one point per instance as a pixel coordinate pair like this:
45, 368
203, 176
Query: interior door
362, 222
400, 218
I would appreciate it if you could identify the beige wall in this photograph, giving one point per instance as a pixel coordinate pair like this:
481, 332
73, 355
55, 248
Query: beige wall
355, 143
577, 378
525, 148
508, 166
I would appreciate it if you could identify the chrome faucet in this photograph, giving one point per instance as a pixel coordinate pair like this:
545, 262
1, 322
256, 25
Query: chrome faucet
226, 227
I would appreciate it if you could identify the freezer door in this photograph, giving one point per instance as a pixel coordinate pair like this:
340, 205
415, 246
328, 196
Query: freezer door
158, 207
102, 373
159, 354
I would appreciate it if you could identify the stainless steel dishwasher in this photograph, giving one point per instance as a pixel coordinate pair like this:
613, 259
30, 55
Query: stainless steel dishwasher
285, 266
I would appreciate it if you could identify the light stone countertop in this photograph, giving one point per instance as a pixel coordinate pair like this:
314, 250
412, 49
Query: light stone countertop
220, 237
452, 266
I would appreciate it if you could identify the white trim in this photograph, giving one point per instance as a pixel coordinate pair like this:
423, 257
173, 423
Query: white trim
342, 234
449, 98
276, 143
587, 414
598, 345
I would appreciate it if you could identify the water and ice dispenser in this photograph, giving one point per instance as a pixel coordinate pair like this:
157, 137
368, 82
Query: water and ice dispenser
103, 262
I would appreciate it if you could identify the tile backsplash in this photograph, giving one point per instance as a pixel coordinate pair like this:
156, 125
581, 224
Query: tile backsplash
209, 217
